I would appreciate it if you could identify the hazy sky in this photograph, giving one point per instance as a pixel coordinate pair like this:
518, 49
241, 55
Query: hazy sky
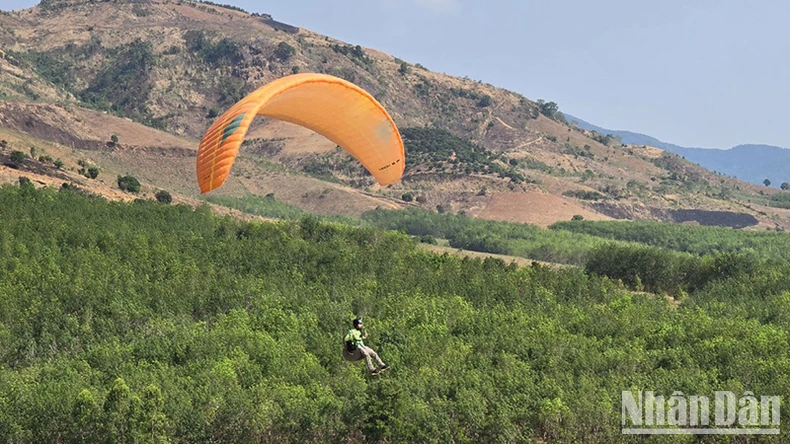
701, 73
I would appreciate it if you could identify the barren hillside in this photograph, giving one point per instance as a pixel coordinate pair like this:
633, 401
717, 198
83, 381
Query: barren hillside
154, 73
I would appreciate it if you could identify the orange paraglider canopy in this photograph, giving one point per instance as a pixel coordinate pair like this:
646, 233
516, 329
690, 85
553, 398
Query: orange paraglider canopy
335, 108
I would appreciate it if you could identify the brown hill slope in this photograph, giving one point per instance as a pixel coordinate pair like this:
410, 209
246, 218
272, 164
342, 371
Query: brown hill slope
157, 71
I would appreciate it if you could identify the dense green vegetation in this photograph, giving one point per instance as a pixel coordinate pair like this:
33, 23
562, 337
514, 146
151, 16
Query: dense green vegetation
435, 149
514, 239
121, 84
585, 194
269, 206
57, 66
780, 200
659, 270
216, 54
47, 65
355, 53
124, 82
147, 322
651, 256
637, 254
223, 5
697, 240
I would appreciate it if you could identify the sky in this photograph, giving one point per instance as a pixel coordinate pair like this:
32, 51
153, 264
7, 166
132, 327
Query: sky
696, 73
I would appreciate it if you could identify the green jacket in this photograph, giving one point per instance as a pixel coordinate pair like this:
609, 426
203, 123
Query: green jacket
355, 337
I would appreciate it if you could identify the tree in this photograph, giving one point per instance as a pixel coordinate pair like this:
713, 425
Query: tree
548, 109
154, 420
85, 416
767, 182
164, 197
785, 186
284, 51
128, 183
93, 172
407, 197
116, 410
18, 156
404, 69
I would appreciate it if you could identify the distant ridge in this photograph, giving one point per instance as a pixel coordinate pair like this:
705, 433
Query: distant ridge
752, 163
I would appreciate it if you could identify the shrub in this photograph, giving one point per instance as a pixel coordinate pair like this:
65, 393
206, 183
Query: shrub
428, 239
164, 197
68, 187
284, 51
584, 194
18, 156
128, 183
93, 172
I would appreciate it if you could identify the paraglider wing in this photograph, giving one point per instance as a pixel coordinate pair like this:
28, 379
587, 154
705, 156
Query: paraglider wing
335, 108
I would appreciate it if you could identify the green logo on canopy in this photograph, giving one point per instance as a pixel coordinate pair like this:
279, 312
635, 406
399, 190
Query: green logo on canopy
232, 127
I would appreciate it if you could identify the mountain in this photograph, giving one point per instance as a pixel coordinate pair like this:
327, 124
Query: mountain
750, 163
128, 88
625, 136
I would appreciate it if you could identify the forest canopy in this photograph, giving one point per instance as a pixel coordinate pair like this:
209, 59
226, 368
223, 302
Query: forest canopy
148, 322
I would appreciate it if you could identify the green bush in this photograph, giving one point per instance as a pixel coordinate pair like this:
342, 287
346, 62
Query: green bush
128, 183
92, 172
484, 101
18, 156
25, 182
163, 197
584, 194
284, 52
